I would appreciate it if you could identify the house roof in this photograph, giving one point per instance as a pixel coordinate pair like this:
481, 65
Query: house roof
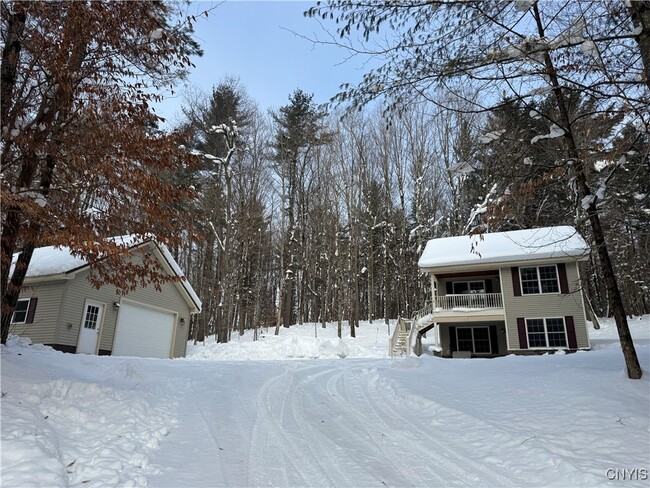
50, 261
498, 247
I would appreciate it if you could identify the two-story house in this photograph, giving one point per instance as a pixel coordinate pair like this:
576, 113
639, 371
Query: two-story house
501, 293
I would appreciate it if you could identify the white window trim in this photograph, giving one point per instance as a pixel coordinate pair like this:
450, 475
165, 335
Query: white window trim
13, 315
473, 342
539, 281
453, 285
544, 319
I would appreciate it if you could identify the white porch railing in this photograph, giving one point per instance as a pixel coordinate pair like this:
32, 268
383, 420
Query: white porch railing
402, 329
470, 300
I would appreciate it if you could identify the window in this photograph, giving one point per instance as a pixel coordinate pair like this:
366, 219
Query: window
473, 339
92, 316
463, 287
20, 314
539, 279
546, 333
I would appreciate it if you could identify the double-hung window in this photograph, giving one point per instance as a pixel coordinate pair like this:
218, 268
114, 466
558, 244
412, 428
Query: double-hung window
546, 333
20, 314
539, 279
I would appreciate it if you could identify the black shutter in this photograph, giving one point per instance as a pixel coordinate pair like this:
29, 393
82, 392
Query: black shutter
494, 340
31, 310
450, 288
564, 283
571, 332
516, 285
452, 339
523, 337
488, 286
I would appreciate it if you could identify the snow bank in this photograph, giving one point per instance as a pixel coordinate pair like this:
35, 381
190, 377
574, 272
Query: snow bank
298, 342
64, 423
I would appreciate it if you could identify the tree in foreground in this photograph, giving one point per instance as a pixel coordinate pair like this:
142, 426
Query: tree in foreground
521, 51
81, 157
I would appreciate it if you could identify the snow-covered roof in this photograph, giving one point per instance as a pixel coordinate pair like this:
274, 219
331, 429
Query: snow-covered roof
50, 261
518, 245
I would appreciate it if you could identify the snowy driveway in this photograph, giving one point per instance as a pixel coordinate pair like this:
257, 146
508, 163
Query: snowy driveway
300, 423
84, 421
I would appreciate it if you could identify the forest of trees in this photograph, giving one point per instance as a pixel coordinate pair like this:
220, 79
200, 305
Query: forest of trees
482, 116
314, 217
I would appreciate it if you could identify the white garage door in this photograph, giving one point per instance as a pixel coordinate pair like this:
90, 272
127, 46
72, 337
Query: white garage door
143, 332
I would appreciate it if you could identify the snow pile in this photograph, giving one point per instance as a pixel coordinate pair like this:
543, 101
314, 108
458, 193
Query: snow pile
552, 420
297, 342
62, 429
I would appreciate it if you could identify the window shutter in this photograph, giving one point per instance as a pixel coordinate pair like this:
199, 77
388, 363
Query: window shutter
516, 285
450, 289
494, 340
564, 283
523, 338
452, 339
31, 310
488, 286
571, 332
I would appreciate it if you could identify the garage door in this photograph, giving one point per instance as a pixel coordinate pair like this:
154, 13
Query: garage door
143, 332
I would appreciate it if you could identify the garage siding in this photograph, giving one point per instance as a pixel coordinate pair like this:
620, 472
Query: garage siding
43, 329
79, 289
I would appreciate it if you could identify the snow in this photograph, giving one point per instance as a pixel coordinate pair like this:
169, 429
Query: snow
300, 343
155, 34
553, 420
50, 261
555, 131
519, 245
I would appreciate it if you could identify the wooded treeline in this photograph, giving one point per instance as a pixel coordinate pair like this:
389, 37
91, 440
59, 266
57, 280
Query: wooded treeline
307, 216
485, 116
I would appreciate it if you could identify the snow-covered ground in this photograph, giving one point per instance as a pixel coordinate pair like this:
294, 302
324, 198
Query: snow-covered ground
554, 420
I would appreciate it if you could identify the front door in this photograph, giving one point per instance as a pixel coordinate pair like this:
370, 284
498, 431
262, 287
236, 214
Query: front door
89, 332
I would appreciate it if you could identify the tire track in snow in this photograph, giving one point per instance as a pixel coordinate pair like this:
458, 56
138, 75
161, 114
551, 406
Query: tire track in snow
270, 441
397, 447
320, 445
455, 462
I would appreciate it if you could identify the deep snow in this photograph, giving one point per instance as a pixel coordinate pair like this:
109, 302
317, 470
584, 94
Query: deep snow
554, 420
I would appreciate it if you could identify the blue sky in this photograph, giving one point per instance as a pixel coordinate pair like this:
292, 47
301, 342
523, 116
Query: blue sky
252, 40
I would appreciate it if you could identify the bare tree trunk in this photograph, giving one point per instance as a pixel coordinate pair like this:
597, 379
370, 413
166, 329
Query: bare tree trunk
634, 370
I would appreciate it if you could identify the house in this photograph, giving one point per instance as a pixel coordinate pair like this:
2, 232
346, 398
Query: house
503, 293
59, 307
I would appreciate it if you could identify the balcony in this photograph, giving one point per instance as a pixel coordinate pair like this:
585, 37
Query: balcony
468, 302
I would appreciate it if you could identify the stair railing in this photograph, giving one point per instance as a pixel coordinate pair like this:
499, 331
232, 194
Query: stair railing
402, 326
423, 312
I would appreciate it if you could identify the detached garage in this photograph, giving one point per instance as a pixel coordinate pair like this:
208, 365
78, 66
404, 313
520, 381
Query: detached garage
60, 308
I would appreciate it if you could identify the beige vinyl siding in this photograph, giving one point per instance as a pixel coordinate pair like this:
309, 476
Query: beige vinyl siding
79, 290
544, 305
46, 314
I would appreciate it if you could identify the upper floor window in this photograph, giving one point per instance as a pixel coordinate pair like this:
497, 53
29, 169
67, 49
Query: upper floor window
539, 279
20, 314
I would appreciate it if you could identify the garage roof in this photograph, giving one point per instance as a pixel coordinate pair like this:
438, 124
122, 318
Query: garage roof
50, 261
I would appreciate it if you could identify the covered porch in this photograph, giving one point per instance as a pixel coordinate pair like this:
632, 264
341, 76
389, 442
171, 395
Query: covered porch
465, 339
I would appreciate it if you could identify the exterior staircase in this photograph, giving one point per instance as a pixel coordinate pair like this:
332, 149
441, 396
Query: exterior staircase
399, 343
